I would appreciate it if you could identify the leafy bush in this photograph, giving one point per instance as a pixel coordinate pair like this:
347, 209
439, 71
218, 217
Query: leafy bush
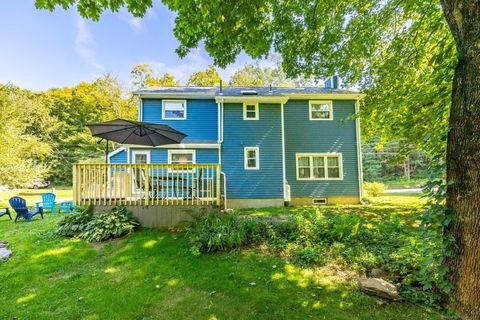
84, 224
374, 189
216, 231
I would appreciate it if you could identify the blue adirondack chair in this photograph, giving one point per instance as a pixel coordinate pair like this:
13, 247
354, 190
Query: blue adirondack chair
48, 202
20, 206
5, 212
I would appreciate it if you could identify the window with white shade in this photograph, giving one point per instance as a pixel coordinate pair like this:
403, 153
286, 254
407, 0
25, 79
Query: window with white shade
174, 110
250, 111
321, 110
181, 156
251, 158
319, 166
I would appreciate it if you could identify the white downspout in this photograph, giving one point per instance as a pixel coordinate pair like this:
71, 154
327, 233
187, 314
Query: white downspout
220, 141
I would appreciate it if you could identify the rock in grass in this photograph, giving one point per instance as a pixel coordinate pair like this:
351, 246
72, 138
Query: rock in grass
3, 244
5, 254
379, 287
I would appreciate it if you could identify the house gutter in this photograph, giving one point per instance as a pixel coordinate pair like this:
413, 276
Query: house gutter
220, 141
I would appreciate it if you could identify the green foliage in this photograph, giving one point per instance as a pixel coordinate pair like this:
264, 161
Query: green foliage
22, 151
374, 189
86, 225
144, 76
331, 236
207, 78
218, 231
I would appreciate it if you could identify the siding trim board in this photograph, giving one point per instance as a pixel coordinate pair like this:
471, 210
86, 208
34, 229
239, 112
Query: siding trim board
359, 149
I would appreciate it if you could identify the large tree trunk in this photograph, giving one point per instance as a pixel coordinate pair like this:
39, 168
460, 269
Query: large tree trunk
463, 159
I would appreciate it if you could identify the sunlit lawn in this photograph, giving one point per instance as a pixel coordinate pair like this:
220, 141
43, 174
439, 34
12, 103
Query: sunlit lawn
152, 275
33, 195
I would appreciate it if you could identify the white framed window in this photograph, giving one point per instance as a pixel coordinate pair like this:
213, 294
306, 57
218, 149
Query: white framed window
252, 158
320, 109
141, 156
250, 111
181, 156
319, 166
174, 109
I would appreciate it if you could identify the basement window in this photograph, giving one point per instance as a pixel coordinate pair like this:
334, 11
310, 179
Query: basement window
319, 201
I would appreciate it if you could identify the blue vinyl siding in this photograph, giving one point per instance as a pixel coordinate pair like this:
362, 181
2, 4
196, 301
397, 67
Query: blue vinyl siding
336, 136
120, 157
201, 124
265, 133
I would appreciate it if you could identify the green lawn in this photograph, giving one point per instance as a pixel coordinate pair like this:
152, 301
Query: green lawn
32, 195
152, 275
405, 184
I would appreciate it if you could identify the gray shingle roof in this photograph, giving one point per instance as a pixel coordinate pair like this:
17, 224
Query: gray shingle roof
241, 91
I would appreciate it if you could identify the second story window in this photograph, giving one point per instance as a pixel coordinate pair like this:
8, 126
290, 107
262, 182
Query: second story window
250, 111
174, 110
321, 110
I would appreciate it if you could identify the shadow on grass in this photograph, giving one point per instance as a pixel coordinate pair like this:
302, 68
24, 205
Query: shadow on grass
153, 275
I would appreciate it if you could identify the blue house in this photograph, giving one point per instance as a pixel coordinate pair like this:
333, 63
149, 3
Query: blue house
275, 145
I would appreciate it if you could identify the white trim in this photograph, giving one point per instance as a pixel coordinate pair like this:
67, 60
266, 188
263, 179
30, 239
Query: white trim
325, 155
255, 104
330, 109
146, 152
257, 158
114, 152
284, 174
182, 151
178, 146
178, 101
140, 110
359, 149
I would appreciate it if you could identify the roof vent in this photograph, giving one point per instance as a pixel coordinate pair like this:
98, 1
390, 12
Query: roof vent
332, 82
249, 93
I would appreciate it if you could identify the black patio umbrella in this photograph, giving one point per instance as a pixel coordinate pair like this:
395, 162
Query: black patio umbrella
135, 132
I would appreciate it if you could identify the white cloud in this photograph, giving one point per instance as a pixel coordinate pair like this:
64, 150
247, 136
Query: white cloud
84, 45
193, 62
135, 23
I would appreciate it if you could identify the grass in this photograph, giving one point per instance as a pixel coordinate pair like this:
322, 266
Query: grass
33, 195
152, 275
405, 184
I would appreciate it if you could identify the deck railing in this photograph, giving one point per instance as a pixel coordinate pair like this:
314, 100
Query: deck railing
146, 184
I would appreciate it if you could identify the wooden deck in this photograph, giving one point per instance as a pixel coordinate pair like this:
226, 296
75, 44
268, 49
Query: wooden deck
146, 184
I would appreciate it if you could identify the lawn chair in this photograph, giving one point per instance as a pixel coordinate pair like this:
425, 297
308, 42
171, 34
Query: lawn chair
48, 202
5, 212
20, 206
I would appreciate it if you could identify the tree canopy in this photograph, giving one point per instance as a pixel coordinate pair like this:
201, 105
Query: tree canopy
207, 78
144, 76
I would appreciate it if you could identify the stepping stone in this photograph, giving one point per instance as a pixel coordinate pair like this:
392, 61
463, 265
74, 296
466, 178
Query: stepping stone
380, 288
5, 254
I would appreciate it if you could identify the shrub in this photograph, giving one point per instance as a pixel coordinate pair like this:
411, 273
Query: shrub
374, 189
84, 224
217, 231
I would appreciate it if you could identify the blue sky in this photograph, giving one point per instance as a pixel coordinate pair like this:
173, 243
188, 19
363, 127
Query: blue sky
42, 49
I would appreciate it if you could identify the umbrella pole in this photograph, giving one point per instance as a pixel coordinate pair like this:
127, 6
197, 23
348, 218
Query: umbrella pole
106, 152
